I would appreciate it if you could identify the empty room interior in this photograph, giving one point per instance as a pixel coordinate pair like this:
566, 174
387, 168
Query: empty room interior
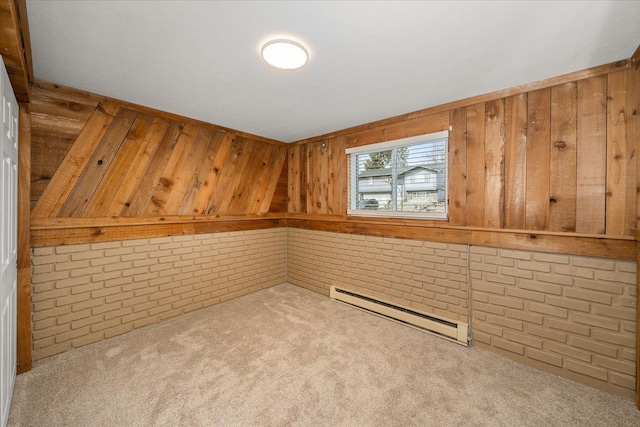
320, 213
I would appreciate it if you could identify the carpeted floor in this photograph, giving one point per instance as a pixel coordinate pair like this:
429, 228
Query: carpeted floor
287, 356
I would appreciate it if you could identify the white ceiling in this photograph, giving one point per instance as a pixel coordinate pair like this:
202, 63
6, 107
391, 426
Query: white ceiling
369, 60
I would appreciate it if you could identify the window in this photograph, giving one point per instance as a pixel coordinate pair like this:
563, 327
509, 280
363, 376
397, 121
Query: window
402, 178
418, 195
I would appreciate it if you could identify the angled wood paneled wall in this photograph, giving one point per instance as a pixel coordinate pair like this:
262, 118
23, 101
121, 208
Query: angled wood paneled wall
99, 158
56, 121
554, 156
15, 46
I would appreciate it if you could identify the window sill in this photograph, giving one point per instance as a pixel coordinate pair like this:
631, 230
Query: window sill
388, 214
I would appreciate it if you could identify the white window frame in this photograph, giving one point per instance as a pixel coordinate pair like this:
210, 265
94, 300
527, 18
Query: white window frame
388, 145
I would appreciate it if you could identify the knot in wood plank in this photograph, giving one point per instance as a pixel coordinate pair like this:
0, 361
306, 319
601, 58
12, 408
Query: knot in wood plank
560, 144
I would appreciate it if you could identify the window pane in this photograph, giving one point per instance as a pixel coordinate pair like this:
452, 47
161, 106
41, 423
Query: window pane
421, 177
415, 175
374, 181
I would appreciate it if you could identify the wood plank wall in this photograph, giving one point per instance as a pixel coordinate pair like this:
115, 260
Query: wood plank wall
23, 298
553, 156
15, 46
94, 157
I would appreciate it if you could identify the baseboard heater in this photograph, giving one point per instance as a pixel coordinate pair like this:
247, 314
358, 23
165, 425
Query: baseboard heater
446, 328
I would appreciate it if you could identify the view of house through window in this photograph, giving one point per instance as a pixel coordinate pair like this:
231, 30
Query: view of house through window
407, 178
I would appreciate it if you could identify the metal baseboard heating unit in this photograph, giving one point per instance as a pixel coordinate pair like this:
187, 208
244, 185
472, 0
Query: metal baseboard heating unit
450, 329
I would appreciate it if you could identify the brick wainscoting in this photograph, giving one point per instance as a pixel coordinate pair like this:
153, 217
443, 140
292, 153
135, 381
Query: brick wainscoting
86, 293
569, 315
431, 277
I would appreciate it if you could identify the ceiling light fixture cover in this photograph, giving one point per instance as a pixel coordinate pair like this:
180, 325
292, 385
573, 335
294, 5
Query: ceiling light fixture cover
284, 54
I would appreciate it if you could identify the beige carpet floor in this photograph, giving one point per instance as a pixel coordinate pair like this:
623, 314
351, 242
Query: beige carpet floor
287, 356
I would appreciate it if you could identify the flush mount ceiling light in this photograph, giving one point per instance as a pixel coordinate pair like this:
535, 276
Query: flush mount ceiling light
284, 54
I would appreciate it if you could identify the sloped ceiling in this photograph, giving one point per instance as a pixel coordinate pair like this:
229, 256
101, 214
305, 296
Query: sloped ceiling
369, 60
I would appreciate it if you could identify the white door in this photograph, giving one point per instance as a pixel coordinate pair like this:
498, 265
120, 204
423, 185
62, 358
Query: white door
8, 244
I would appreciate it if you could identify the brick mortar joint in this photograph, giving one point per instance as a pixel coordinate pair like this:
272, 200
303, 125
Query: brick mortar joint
288, 238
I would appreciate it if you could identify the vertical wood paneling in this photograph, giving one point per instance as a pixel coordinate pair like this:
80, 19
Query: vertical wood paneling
115, 174
332, 190
515, 161
324, 181
314, 166
633, 186
562, 166
319, 164
298, 178
457, 173
591, 168
294, 178
304, 178
494, 164
137, 204
635, 111
475, 165
313, 178
538, 155
337, 180
621, 166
